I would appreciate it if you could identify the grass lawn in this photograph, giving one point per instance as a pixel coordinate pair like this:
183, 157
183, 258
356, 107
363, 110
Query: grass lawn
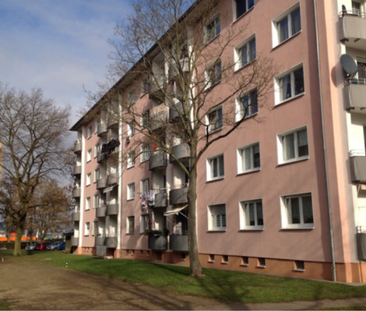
229, 286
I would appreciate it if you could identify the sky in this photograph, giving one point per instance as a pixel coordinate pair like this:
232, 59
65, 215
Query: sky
58, 46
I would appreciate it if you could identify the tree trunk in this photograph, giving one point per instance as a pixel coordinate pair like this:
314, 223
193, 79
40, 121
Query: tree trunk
195, 265
18, 239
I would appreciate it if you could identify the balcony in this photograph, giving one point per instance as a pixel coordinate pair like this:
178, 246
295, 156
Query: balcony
179, 243
74, 241
178, 196
101, 211
158, 117
113, 123
101, 183
112, 209
102, 129
352, 28
111, 242
354, 95
175, 71
112, 179
176, 112
181, 152
160, 199
76, 193
156, 88
102, 157
157, 242
78, 147
358, 166
99, 240
77, 170
157, 161
76, 216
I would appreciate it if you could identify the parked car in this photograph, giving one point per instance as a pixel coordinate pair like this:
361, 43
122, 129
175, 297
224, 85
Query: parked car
30, 247
41, 246
56, 246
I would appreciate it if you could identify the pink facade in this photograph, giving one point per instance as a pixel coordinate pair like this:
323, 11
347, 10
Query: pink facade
284, 194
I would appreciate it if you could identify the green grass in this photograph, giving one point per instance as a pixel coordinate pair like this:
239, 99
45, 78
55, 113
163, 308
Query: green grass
229, 286
4, 305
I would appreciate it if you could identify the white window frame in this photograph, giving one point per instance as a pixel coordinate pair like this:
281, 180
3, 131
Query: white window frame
96, 175
145, 153
88, 155
96, 201
214, 164
145, 185
286, 211
96, 150
132, 97
251, 99
215, 25
249, 5
131, 191
87, 229
213, 74
298, 142
246, 154
90, 131
214, 120
280, 84
285, 17
250, 53
144, 223
250, 208
130, 224
131, 159
87, 204
95, 228
217, 217
130, 130
88, 179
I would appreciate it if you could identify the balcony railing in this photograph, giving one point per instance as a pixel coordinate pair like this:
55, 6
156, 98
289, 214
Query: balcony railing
113, 122
100, 240
181, 152
157, 161
112, 209
77, 170
101, 183
74, 241
178, 196
358, 166
352, 25
158, 117
102, 157
178, 243
76, 216
112, 179
174, 70
102, 129
157, 243
78, 147
101, 211
160, 199
355, 94
76, 193
111, 242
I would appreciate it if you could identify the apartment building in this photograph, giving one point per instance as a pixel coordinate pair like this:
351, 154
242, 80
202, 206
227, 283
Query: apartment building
284, 194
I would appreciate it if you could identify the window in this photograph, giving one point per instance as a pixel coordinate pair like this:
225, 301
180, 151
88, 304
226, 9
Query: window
145, 119
247, 105
261, 263
215, 120
241, 7
131, 98
145, 87
215, 168
95, 228
88, 155
96, 150
299, 265
245, 53
130, 130
90, 131
96, 201
289, 85
287, 25
96, 175
212, 29
244, 261
87, 228
225, 259
87, 204
131, 191
249, 158
88, 179
144, 223
211, 258
130, 226
97, 124
297, 211
217, 217
145, 152
131, 159
251, 215
356, 8
293, 146
145, 185
213, 74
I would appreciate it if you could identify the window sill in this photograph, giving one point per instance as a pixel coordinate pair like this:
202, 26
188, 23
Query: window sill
130, 199
214, 131
128, 233
207, 42
224, 262
244, 265
244, 14
215, 179
290, 99
288, 39
246, 65
216, 230
260, 267
299, 270
249, 171
210, 261
132, 166
251, 229
298, 228
294, 161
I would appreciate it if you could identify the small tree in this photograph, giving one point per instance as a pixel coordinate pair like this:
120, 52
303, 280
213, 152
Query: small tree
32, 130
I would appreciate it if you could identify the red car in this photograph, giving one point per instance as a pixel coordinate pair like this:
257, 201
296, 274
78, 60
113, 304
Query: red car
41, 246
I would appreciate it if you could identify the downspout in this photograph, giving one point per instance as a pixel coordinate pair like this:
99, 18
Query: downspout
324, 147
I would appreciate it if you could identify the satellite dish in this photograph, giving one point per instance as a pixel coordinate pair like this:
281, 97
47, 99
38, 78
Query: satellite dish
348, 64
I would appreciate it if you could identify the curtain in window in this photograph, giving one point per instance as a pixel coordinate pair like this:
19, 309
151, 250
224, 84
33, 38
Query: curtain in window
295, 211
283, 29
259, 214
244, 55
288, 147
247, 162
285, 87
253, 102
256, 156
299, 81
252, 50
307, 210
302, 138
295, 21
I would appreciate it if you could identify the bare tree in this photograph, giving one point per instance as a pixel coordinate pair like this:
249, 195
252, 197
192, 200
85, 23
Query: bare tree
32, 130
187, 69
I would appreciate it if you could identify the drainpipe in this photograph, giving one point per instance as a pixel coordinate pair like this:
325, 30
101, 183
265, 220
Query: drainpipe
324, 147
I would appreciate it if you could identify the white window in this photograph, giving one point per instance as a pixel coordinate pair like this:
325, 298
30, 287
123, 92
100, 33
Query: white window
293, 146
144, 223
241, 7
145, 185
131, 98
96, 150
131, 191
88, 155
297, 211
247, 105
97, 124
96, 175
90, 131
96, 201
245, 53
131, 159
214, 120
213, 74
95, 228
130, 130
87, 228
249, 158
130, 225
215, 167
251, 215
217, 217
145, 119
87, 204
212, 29
286, 25
145, 153
88, 179
289, 84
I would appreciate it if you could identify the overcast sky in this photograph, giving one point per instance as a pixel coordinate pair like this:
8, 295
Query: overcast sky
57, 45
